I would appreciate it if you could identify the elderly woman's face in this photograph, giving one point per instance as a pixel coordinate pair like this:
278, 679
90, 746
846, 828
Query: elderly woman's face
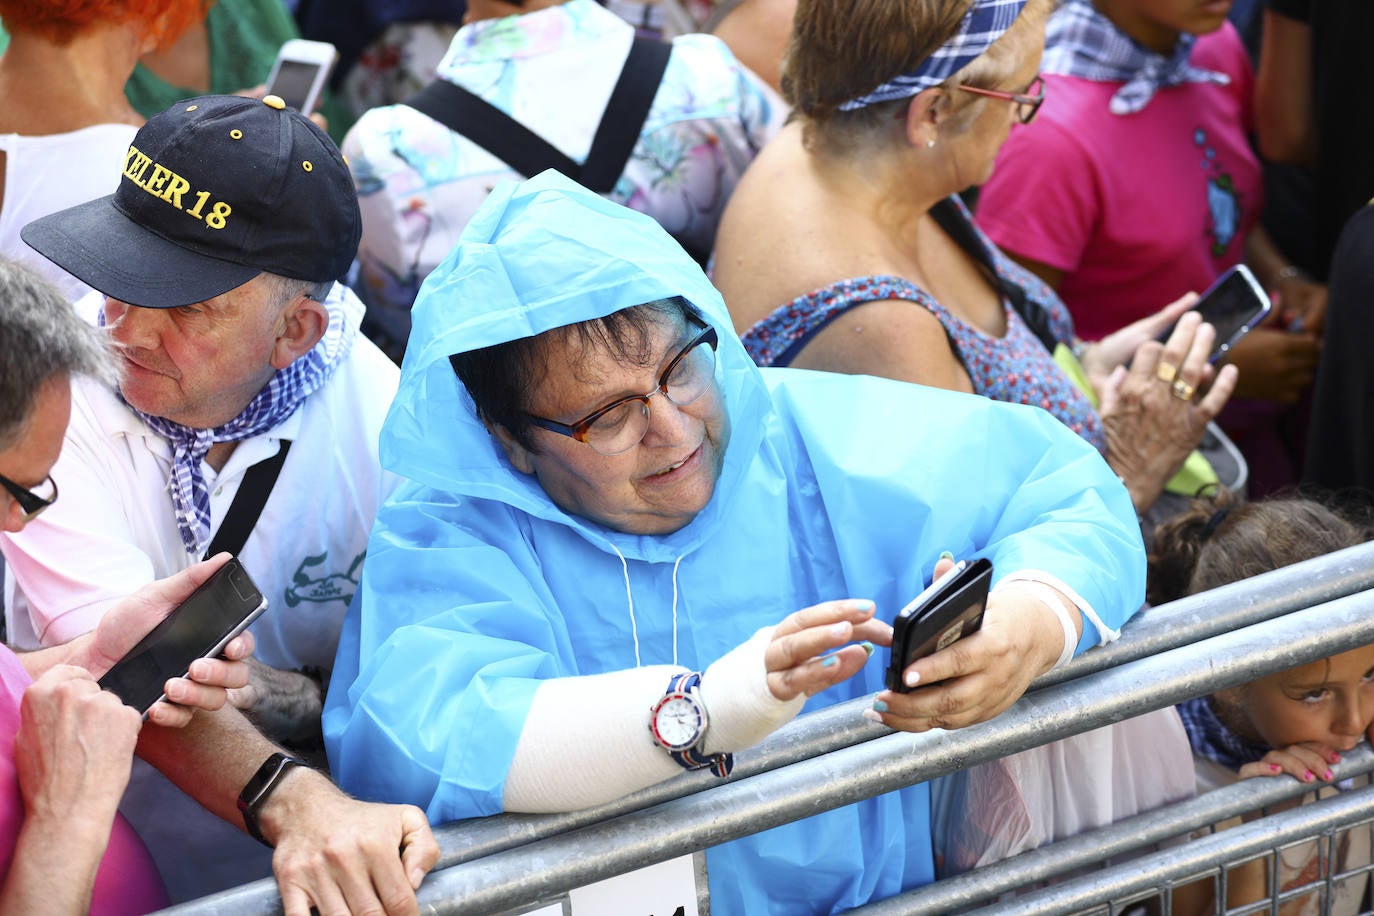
658, 485
978, 148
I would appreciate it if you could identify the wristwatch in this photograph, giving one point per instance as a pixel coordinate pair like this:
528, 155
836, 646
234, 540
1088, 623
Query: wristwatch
255, 793
678, 723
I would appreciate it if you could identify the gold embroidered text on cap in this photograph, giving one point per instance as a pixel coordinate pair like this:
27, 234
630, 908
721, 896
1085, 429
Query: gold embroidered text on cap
273, 101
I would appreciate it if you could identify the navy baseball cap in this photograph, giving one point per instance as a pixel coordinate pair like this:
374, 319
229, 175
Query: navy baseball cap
215, 190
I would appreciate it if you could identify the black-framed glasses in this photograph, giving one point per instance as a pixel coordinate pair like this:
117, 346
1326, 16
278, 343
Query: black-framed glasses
621, 424
32, 502
1027, 103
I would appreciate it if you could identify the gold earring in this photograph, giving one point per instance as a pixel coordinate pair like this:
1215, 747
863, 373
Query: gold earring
930, 144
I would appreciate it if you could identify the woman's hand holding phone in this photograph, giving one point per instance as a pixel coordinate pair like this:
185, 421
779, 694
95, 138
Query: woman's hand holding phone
981, 675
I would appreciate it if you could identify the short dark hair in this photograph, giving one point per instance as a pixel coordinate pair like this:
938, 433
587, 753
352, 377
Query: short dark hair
41, 338
500, 378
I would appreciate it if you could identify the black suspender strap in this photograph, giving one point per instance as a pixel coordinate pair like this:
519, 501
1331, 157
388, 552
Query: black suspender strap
248, 502
948, 217
527, 152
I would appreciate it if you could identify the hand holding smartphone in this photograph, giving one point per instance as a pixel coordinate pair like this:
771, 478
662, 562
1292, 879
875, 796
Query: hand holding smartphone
1234, 304
301, 70
945, 612
200, 627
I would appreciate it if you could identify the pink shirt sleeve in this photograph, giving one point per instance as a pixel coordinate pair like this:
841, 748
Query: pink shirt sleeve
127, 881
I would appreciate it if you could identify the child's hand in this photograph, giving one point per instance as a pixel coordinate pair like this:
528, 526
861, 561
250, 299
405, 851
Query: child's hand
1307, 762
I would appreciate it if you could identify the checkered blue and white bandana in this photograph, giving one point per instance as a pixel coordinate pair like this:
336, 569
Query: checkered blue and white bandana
1081, 42
278, 399
984, 23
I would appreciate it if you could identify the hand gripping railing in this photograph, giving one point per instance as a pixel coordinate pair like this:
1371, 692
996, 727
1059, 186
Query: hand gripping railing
833, 757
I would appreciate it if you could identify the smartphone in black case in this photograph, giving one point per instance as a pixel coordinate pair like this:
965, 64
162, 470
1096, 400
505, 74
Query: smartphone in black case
947, 611
200, 627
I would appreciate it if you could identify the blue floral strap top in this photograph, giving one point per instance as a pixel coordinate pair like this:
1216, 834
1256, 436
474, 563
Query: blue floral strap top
1014, 368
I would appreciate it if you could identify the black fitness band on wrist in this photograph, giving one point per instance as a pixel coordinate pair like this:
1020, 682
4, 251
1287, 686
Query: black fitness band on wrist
257, 790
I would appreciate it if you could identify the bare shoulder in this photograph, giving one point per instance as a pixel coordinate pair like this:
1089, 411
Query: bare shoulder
890, 338
778, 238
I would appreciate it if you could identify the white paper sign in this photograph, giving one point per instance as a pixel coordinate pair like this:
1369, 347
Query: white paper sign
666, 889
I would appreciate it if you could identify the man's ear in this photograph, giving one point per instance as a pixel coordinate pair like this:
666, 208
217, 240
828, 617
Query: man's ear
516, 454
303, 322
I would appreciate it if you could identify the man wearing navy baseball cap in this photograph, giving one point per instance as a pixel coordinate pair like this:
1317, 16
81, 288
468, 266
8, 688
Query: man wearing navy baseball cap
246, 419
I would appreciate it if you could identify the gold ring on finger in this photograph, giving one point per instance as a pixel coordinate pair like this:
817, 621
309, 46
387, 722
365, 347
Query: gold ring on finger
1183, 390
1166, 372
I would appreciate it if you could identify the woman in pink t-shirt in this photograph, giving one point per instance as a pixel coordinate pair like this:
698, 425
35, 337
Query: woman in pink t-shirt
1137, 183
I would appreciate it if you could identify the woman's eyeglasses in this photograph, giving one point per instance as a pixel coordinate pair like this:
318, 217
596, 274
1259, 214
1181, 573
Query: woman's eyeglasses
1027, 103
29, 501
620, 425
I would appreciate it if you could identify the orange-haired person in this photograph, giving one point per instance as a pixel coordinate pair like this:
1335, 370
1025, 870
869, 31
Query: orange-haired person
65, 124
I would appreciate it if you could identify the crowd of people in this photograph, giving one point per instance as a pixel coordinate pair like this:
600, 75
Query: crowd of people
491, 372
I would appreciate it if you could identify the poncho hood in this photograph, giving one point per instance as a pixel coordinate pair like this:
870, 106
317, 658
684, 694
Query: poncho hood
540, 255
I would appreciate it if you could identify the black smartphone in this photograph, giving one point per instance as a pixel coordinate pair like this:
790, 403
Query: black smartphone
300, 72
1233, 305
200, 627
947, 611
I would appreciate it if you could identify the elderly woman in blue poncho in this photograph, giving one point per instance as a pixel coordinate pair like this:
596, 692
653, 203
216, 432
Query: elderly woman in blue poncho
568, 549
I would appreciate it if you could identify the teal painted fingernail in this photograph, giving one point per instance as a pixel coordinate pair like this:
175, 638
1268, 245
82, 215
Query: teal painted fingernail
863, 604
946, 555
867, 647
829, 661
879, 706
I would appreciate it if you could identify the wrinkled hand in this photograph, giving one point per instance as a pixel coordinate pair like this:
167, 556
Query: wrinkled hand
980, 675
1301, 305
1275, 365
132, 618
1306, 762
74, 748
341, 855
1117, 349
795, 658
1150, 428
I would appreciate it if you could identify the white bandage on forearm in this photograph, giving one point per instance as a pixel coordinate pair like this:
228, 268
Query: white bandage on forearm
1051, 598
586, 741
742, 711
604, 750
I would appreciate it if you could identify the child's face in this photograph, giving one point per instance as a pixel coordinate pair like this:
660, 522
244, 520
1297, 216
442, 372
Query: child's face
1329, 702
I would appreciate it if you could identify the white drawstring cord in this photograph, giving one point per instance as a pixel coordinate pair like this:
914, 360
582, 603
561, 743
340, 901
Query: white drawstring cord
630, 600
675, 566
629, 596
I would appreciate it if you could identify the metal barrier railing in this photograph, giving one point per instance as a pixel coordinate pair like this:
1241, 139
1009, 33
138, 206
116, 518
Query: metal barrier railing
1124, 837
1185, 649
1146, 877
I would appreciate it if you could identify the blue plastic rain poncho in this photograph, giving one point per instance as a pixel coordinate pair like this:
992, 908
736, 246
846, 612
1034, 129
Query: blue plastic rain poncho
477, 587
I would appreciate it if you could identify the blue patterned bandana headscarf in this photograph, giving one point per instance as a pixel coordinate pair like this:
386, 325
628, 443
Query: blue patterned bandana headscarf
1210, 737
1081, 42
984, 23
270, 407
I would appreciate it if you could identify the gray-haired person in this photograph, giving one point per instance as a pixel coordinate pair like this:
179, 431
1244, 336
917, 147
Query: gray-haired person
246, 419
68, 745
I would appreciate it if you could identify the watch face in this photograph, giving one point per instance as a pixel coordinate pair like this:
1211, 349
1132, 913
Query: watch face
677, 722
